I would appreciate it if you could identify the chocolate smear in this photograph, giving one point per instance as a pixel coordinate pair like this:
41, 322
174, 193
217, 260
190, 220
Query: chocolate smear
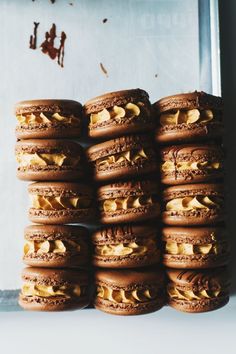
49, 48
33, 37
103, 69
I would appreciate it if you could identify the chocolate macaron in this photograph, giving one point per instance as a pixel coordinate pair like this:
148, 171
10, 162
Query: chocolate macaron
53, 289
49, 160
45, 119
129, 292
56, 246
126, 202
191, 163
123, 157
60, 202
198, 291
195, 247
193, 204
126, 246
116, 113
188, 117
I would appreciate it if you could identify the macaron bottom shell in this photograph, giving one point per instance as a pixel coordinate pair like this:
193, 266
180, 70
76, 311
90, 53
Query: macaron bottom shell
197, 306
65, 216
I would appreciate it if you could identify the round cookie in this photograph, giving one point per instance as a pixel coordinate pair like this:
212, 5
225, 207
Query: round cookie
193, 204
198, 291
49, 160
116, 113
188, 117
126, 156
126, 202
191, 163
54, 289
126, 246
56, 246
129, 292
195, 247
60, 203
48, 118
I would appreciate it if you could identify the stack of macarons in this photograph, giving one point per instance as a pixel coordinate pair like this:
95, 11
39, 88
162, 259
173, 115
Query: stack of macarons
126, 249
56, 253
195, 246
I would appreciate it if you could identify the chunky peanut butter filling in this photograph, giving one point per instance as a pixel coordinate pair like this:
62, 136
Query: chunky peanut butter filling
126, 203
42, 118
29, 289
178, 294
127, 297
58, 203
127, 248
130, 156
193, 203
190, 249
118, 113
175, 117
55, 246
170, 166
25, 159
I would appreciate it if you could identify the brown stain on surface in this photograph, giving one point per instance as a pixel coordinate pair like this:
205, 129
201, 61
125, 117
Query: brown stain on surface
33, 37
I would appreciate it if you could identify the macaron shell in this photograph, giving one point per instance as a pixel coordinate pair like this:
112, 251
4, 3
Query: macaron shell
52, 174
196, 261
197, 306
56, 261
54, 131
194, 218
67, 189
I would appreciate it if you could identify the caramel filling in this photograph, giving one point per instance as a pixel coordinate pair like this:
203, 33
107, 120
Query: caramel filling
186, 116
126, 203
190, 249
58, 203
170, 166
127, 248
130, 156
42, 118
126, 297
35, 159
130, 110
56, 246
193, 203
30, 289
178, 294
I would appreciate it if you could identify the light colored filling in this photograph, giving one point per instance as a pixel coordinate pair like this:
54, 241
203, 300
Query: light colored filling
193, 203
126, 297
42, 118
175, 293
186, 116
130, 110
56, 246
58, 203
123, 249
35, 159
31, 289
126, 203
190, 249
129, 156
170, 166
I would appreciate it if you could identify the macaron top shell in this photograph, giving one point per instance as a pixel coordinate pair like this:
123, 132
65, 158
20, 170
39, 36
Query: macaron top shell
211, 189
54, 232
191, 100
65, 189
111, 99
48, 105
191, 152
194, 235
130, 279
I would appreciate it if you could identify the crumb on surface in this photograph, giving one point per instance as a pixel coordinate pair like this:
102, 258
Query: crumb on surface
104, 20
156, 75
103, 69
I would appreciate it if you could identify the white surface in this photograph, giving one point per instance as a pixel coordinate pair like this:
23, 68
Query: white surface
89, 331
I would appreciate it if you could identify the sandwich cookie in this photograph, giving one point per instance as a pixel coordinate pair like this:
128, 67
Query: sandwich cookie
195, 247
126, 246
191, 163
45, 119
54, 289
123, 157
117, 113
198, 291
60, 203
193, 204
129, 292
189, 117
126, 202
56, 246
49, 160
